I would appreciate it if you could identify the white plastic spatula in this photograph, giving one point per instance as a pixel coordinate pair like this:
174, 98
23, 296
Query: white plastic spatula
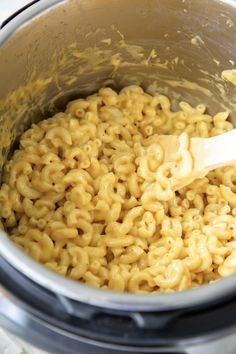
207, 153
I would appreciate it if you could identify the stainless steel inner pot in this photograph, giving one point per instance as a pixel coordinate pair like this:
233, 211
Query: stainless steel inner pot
57, 50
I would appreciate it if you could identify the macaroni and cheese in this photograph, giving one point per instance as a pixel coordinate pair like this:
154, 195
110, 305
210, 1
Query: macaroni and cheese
88, 195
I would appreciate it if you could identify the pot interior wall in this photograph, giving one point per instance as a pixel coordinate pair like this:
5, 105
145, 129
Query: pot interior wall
178, 48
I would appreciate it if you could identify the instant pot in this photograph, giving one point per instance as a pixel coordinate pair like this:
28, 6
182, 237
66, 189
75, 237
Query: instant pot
53, 51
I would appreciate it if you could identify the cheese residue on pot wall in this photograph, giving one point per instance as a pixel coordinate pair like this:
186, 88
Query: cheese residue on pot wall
197, 41
229, 75
111, 61
68, 69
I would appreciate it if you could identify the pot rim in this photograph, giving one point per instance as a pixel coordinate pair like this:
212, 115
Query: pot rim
24, 15
60, 285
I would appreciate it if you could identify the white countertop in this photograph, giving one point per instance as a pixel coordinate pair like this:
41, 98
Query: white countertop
8, 346
11, 345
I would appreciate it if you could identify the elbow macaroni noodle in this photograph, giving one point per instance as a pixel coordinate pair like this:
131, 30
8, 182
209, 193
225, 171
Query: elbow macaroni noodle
88, 194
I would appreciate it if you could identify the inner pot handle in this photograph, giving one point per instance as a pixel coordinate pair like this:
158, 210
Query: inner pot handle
16, 8
153, 320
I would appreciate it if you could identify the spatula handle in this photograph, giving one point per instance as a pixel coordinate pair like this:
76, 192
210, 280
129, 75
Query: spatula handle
220, 150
